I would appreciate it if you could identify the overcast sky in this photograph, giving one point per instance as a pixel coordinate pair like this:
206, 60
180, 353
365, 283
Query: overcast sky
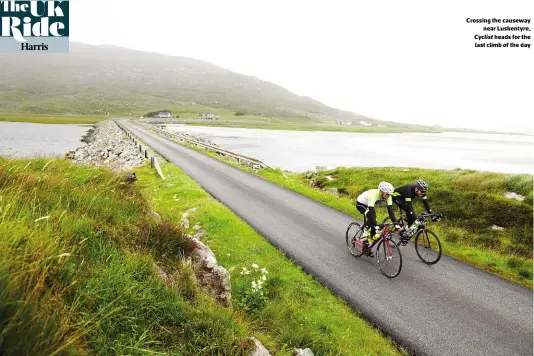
406, 61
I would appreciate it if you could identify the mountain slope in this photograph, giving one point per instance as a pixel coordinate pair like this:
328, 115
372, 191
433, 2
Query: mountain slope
98, 79
94, 80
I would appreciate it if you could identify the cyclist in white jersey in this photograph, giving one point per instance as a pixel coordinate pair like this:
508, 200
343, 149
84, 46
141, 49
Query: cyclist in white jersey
365, 204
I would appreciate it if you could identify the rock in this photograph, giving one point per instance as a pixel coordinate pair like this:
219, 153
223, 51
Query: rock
303, 352
310, 175
211, 277
130, 178
184, 222
107, 145
161, 273
495, 227
199, 235
331, 191
259, 349
512, 195
329, 178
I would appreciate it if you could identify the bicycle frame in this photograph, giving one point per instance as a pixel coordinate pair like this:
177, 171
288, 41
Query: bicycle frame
382, 236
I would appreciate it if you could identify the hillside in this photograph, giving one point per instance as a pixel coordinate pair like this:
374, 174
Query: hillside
93, 80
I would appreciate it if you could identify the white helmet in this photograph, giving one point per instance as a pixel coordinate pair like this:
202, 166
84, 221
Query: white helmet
386, 187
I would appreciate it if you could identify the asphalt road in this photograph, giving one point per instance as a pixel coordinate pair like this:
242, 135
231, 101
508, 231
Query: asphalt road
450, 308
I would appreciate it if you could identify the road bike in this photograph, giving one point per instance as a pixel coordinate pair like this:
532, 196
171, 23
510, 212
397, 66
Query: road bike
388, 255
427, 243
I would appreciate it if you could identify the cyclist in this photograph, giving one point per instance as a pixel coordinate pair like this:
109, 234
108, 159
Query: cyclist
365, 204
402, 196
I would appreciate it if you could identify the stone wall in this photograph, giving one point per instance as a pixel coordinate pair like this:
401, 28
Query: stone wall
107, 145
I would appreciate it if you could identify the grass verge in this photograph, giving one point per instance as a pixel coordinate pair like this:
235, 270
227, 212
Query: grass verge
77, 274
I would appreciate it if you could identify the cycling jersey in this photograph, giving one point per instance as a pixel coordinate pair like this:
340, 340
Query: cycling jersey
366, 205
403, 196
372, 197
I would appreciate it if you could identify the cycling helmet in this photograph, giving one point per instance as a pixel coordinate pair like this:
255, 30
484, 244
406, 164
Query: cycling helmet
386, 187
421, 185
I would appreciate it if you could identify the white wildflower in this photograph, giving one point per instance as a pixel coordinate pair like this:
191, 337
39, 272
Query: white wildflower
264, 271
263, 278
254, 266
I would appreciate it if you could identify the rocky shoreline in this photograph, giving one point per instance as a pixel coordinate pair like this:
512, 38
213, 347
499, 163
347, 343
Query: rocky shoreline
106, 145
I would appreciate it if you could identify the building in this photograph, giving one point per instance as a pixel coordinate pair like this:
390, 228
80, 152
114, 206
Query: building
209, 116
163, 114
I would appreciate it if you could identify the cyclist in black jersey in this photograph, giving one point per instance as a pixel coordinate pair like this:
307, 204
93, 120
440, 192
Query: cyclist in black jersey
403, 196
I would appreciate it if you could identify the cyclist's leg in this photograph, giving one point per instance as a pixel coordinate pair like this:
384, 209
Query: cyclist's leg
404, 207
363, 209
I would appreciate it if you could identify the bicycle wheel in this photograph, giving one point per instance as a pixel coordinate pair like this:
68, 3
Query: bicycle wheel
389, 257
354, 239
428, 247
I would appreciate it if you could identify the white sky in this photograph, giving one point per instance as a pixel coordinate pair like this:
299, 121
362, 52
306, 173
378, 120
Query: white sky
405, 61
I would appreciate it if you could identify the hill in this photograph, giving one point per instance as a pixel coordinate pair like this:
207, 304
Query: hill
93, 80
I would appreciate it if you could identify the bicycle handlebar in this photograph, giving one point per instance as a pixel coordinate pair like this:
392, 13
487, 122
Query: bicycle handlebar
425, 215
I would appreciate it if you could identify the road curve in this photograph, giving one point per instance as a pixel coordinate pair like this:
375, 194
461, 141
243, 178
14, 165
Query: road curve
451, 308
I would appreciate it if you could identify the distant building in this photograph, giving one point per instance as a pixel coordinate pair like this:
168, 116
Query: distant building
209, 116
163, 114
365, 123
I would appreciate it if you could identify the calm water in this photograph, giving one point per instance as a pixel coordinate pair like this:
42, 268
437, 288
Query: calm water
300, 151
26, 140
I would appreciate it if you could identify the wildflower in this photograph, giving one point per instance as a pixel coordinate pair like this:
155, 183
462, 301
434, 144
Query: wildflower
263, 278
264, 271
254, 266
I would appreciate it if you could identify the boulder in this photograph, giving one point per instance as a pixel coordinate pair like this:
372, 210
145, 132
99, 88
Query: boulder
211, 277
259, 349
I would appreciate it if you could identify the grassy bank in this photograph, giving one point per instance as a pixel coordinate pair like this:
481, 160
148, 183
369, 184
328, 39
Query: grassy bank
77, 274
51, 119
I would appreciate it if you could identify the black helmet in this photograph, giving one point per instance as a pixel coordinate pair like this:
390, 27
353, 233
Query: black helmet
421, 185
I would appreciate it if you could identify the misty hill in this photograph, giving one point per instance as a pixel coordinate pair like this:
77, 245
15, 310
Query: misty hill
97, 79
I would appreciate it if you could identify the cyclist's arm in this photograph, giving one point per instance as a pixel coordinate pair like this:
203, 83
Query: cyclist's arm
409, 207
390, 211
426, 204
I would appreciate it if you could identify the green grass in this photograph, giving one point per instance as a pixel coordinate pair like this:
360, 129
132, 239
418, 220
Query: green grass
51, 119
299, 311
77, 274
